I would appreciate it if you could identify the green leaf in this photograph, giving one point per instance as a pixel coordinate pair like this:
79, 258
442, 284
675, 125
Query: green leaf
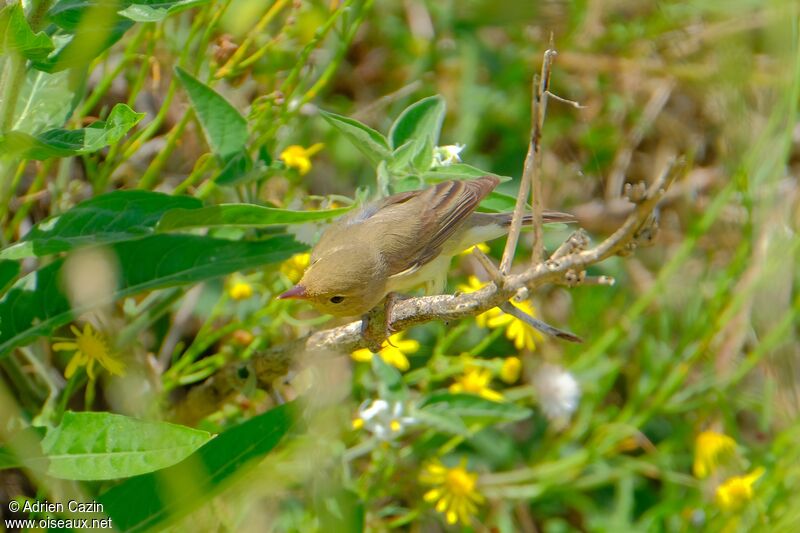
390, 381
341, 511
498, 202
236, 171
458, 171
92, 446
240, 215
368, 141
45, 102
16, 34
112, 217
8, 459
420, 123
88, 28
151, 500
474, 408
422, 118
224, 127
9, 270
37, 304
442, 422
65, 143
157, 11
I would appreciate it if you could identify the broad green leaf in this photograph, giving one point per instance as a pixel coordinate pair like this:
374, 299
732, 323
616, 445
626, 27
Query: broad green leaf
112, 217
98, 445
458, 171
442, 422
368, 141
9, 270
157, 11
65, 143
240, 215
16, 34
37, 304
88, 28
45, 101
421, 119
151, 500
420, 124
237, 170
476, 408
224, 127
498, 202
390, 380
403, 157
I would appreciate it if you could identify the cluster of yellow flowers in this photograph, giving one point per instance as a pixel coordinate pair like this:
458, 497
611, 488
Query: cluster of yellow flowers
714, 450
521, 334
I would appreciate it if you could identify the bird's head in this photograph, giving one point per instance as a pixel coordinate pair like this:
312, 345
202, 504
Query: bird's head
343, 282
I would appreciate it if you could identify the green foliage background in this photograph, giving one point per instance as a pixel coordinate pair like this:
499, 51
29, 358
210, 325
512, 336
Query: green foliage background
147, 138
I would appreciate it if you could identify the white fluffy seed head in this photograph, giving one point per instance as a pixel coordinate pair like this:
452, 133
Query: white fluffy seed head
558, 392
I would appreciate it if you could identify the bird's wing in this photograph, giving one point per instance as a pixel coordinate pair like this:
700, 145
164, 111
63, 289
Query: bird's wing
440, 210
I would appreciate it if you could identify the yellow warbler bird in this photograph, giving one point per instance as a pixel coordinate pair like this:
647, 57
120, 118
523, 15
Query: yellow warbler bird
398, 243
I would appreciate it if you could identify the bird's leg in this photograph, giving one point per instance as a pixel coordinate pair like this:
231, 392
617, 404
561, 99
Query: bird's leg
375, 327
388, 304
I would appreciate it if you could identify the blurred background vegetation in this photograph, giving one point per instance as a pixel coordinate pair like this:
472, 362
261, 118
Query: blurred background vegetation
688, 379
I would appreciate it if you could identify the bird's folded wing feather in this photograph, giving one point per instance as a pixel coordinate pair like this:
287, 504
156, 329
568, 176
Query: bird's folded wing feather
440, 211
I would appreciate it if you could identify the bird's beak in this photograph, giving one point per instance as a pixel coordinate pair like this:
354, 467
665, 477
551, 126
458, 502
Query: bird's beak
298, 292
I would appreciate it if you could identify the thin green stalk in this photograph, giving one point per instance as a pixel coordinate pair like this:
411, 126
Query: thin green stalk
24, 209
153, 172
200, 167
230, 66
15, 77
105, 82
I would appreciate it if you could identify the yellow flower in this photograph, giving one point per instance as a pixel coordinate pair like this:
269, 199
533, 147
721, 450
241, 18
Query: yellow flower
476, 381
294, 267
483, 247
393, 352
510, 370
454, 491
523, 335
89, 346
737, 490
710, 447
240, 290
295, 156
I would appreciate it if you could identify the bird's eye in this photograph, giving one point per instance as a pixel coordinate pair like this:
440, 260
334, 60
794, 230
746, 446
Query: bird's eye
337, 299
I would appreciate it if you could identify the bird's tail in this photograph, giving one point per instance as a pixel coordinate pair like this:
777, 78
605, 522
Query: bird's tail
548, 217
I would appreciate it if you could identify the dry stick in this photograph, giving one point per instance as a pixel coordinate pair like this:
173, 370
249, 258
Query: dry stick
537, 324
538, 106
487, 264
271, 364
622, 161
533, 172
